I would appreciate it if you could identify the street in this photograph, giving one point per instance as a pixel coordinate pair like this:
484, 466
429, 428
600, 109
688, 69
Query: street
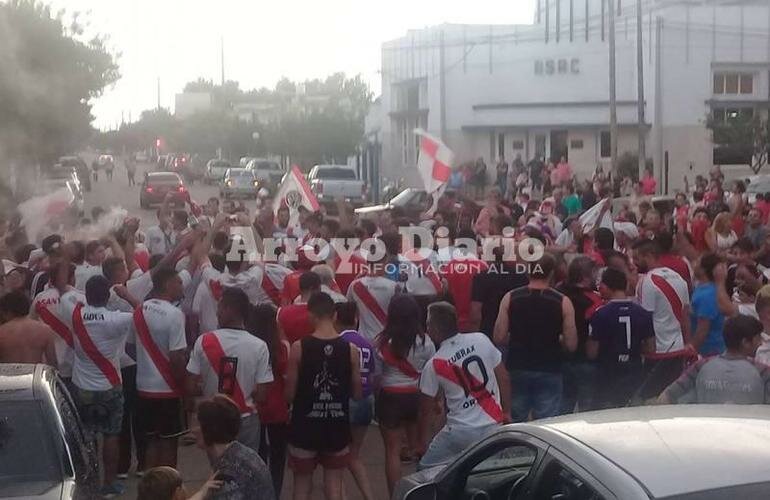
192, 462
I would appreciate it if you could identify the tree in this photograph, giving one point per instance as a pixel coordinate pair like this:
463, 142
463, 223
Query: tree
740, 138
50, 75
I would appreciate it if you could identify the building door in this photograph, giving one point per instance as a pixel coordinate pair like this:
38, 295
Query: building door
559, 145
540, 145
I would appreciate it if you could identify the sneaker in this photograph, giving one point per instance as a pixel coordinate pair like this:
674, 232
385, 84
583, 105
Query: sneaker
122, 475
112, 490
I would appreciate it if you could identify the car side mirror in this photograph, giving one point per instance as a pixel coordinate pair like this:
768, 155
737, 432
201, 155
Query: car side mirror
427, 491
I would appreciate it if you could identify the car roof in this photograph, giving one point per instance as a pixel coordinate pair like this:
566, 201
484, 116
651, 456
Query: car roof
673, 450
19, 381
334, 166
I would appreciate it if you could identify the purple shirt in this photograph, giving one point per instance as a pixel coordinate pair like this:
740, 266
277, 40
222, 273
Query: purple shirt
366, 355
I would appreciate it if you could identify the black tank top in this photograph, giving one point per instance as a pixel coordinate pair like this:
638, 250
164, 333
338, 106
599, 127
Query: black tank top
535, 319
319, 417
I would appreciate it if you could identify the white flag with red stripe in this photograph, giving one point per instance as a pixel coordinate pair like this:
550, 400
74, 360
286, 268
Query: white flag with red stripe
294, 192
434, 164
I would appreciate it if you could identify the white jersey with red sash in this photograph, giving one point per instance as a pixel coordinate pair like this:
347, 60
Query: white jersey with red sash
371, 295
231, 362
421, 275
272, 282
401, 375
100, 337
464, 369
48, 307
664, 293
160, 329
208, 293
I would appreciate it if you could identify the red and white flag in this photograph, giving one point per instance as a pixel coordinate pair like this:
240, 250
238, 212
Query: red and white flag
294, 192
434, 161
434, 164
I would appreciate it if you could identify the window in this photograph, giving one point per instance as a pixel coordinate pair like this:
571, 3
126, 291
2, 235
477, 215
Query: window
517, 145
605, 145
576, 144
725, 115
559, 482
404, 142
734, 83
747, 84
501, 146
510, 457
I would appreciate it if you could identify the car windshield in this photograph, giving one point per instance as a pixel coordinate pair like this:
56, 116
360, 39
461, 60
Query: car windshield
336, 173
28, 456
267, 165
241, 173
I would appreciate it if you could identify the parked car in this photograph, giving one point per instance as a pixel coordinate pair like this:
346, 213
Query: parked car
685, 452
44, 451
215, 170
332, 182
239, 182
178, 163
156, 185
268, 172
160, 162
80, 166
68, 174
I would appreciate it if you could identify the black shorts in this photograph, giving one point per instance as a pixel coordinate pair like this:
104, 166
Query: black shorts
159, 418
394, 409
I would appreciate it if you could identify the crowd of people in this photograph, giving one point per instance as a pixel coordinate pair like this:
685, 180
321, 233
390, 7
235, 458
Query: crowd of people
289, 358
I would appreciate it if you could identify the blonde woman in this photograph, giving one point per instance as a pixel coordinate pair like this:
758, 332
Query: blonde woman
720, 236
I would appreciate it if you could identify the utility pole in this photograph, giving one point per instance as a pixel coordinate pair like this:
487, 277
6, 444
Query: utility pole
613, 96
640, 89
442, 87
158, 93
222, 57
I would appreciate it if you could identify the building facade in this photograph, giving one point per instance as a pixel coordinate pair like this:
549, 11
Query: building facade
542, 90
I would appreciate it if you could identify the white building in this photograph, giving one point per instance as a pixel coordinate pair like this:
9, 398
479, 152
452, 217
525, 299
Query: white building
189, 103
543, 89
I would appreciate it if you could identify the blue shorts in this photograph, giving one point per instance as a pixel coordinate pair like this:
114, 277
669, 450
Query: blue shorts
361, 411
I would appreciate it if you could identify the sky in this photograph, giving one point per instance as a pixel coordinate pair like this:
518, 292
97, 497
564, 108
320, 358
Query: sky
179, 40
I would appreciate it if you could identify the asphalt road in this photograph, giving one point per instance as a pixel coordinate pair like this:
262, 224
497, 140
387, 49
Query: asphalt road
192, 461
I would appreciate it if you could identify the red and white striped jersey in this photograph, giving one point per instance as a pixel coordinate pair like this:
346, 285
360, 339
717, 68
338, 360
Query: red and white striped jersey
372, 295
48, 308
232, 362
263, 283
421, 276
166, 328
464, 369
664, 293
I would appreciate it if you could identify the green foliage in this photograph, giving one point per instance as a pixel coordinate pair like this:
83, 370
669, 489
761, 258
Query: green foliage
318, 120
49, 74
749, 135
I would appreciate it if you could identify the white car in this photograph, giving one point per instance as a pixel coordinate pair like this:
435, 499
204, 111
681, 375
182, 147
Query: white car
215, 170
333, 182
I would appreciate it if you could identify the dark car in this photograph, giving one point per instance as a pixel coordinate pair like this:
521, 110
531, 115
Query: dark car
44, 452
80, 166
156, 185
684, 452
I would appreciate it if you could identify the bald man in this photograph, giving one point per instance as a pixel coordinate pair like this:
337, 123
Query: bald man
24, 340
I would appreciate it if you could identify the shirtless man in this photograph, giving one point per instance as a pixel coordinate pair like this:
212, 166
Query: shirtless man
24, 340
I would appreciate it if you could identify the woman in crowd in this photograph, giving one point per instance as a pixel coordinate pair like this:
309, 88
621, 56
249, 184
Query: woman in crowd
403, 349
274, 411
720, 237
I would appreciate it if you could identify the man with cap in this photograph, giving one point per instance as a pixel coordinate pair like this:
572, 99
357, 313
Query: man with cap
52, 247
